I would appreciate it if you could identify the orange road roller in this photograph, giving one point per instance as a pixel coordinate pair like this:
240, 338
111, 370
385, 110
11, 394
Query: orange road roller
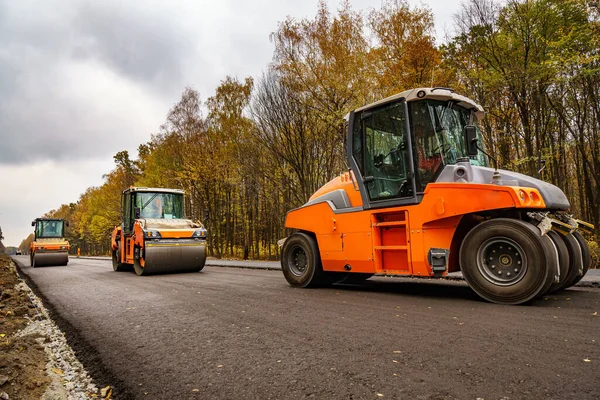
419, 199
49, 246
154, 237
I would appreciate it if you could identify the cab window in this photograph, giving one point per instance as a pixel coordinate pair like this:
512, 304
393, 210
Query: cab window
386, 161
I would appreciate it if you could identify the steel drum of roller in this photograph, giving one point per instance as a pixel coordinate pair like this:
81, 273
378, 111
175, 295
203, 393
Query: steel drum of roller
171, 257
51, 258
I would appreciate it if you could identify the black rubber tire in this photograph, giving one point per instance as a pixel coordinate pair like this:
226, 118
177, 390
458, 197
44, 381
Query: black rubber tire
535, 249
301, 262
137, 267
575, 260
586, 256
564, 260
552, 252
119, 266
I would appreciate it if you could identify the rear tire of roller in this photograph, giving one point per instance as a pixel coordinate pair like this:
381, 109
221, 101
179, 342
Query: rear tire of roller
118, 266
301, 262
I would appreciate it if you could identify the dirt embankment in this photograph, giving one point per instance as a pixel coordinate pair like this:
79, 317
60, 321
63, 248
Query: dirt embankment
35, 360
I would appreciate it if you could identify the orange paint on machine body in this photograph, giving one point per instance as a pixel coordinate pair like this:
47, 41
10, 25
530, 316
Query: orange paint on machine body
395, 241
419, 199
49, 245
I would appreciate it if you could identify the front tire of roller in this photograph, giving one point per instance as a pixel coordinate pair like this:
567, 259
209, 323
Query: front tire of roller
586, 256
507, 261
301, 262
33, 263
564, 260
575, 260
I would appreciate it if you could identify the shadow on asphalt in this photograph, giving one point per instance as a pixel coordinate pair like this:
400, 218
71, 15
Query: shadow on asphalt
414, 287
448, 289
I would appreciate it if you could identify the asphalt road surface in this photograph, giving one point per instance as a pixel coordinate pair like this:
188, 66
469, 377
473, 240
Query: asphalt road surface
229, 333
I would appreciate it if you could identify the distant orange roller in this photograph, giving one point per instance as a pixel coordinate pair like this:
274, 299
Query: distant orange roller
49, 246
154, 236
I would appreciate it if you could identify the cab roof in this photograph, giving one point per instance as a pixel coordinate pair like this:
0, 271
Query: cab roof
443, 94
152, 190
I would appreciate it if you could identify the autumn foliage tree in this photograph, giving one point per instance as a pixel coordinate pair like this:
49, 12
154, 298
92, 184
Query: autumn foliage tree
255, 149
534, 66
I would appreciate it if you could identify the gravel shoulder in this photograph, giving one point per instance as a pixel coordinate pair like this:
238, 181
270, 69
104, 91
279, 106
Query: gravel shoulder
35, 360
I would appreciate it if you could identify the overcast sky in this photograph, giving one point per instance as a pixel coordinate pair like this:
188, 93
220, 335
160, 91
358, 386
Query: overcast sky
82, 80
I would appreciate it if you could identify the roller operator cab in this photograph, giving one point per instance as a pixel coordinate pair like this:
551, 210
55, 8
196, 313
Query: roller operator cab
154, 236
49, 246
421, 200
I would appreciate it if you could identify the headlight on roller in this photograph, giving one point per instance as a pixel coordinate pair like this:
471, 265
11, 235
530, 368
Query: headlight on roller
153, 234
199, 233
63, 247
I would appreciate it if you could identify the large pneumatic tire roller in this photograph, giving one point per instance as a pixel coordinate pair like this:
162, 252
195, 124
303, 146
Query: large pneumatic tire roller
47, 259
169, 258
408, 208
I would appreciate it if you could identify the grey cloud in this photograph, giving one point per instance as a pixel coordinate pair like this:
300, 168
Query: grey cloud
140, 45
54, 55
44, 43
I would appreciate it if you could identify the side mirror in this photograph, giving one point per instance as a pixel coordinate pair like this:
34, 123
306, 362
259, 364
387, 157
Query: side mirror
67, 223
32, 223
344, 131
541, 166
206, 215
136, 212
470, 133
